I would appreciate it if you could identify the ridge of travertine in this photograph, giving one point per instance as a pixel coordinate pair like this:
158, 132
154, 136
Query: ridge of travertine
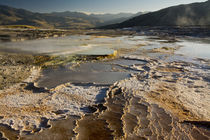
162, 101
157, 104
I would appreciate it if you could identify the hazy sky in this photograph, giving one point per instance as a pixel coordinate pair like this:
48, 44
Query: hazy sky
94, 6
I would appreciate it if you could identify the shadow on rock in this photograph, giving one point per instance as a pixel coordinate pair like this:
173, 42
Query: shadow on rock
30, 86
199, 123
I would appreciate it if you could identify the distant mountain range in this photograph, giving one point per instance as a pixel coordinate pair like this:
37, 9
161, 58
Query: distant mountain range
115, 18
195, 14
60, 20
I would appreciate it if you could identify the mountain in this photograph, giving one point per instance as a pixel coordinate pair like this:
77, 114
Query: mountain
59, 20
78, 15
109, 17
13, 16
195, 14
114, 18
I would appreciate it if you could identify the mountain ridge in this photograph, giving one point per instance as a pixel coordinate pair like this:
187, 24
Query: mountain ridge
194, 14
63, 20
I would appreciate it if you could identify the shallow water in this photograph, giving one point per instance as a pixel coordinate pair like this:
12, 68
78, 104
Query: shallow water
97, 51
194, 49
46, 46
90, 45
58, 77
104, 72
128, 62
100, 73
69, 45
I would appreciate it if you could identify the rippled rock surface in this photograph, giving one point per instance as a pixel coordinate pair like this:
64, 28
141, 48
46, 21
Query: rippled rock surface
155, 104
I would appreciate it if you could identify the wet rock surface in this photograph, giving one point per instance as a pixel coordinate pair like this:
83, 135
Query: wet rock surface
143, 107
163, 98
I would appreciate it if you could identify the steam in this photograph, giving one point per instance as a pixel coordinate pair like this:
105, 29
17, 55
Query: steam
192, 17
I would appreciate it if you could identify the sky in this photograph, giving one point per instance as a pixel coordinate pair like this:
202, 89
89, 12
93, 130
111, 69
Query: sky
94, 6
